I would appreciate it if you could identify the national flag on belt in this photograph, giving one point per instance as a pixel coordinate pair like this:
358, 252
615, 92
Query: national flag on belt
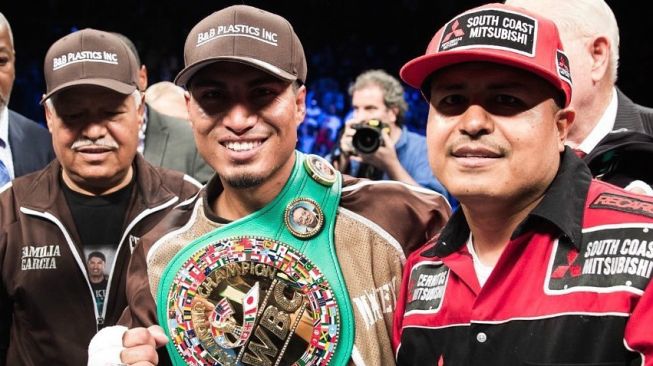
256, 257
315, 274
182, 293
292, 256
301, 270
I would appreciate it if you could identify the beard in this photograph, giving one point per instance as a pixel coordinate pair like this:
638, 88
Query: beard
244, 181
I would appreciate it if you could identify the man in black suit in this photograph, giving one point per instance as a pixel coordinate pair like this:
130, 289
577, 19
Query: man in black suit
165, 140
25, 146
611, 133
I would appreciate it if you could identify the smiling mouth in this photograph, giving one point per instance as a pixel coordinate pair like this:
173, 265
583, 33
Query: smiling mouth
94, 150
478, 156
478, 153
240, 146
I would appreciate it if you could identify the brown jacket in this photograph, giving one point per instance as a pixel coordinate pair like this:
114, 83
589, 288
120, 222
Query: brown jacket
47, 309
378, 224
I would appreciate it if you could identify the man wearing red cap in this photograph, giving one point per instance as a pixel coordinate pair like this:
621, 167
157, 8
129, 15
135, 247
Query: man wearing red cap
242, 279
541, 265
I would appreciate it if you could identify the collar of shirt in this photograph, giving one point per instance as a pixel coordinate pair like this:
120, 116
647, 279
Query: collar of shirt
605, 125
403, 138
5, 149
4, 127
562, 207
141, 132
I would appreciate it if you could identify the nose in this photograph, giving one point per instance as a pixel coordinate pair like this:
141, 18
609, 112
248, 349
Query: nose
363, 115
94, 130
476, 121
239, 118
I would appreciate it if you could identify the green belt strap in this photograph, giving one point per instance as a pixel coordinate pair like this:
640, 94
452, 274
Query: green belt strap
268, 222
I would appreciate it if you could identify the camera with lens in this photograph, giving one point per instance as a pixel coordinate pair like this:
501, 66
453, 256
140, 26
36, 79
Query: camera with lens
367, 137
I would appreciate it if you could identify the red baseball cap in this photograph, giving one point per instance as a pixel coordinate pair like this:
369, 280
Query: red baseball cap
496, 33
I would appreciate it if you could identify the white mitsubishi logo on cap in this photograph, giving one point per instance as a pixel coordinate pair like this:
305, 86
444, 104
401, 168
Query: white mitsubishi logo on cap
491, 28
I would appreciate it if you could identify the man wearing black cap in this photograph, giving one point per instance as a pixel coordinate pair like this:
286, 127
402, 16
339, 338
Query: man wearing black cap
542, 265
239, 282
97, 195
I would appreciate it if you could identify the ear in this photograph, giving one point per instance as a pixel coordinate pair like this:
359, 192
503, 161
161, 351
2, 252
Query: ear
141, 109
187, 99
600, 52
564, 119
142, 78
394, 112
300, 103
49, 116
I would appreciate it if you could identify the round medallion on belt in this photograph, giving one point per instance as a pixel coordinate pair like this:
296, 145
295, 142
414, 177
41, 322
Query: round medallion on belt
320, 170
252, 301
303, 217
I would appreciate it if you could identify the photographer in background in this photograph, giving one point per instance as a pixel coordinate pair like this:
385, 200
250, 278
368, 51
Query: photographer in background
375, 144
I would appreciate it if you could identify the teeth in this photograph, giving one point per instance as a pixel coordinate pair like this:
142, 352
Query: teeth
242, 146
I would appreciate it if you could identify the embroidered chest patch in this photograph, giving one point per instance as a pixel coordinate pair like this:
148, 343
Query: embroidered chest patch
426, 287
611, 259
624, 204
39, 257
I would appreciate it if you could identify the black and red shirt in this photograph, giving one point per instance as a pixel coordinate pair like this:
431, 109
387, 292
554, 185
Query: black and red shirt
571, 287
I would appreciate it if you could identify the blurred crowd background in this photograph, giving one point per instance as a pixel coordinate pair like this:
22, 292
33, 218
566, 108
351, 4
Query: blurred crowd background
341, 39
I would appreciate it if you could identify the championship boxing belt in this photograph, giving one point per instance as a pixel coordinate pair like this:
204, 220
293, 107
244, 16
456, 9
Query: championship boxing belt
266, 289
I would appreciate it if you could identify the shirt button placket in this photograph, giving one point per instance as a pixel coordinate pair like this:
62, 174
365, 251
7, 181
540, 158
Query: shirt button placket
481, 337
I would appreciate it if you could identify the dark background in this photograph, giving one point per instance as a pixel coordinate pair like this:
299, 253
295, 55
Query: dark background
341, 38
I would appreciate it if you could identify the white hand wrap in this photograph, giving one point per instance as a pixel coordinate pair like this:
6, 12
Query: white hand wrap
106, 346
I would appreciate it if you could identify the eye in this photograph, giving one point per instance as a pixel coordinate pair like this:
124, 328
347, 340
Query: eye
263, 95
506, 99
449, 104
208, 93
211, 99
4, 60
71, 117
452, 100
506, 104
262, 92
112, 114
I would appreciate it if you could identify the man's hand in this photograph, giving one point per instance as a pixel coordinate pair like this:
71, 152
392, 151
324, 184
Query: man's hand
141, 344
346, 144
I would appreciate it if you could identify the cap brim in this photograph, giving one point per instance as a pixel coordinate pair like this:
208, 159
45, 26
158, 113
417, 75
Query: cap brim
187, 73
416, 71
114, 85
